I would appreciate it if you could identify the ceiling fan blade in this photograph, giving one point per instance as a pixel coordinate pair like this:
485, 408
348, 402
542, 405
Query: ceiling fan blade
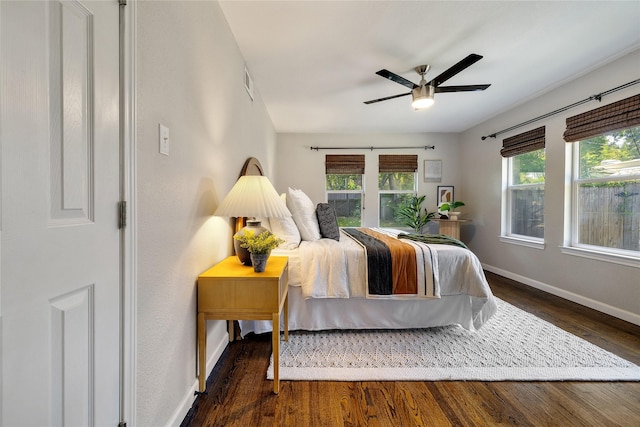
465, 88
455, 69
386, 98
396, 78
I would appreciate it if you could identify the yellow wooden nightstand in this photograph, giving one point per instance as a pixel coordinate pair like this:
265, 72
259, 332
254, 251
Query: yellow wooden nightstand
232, 291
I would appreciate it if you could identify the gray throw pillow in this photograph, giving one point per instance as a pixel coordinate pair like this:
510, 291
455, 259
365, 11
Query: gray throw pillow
328, 221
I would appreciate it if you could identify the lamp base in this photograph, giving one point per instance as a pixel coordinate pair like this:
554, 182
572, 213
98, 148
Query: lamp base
243, 254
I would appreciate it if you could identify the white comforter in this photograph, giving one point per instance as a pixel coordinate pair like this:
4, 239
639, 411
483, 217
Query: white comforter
327, 268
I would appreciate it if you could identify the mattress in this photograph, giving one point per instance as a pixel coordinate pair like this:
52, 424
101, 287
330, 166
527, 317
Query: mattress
323, 295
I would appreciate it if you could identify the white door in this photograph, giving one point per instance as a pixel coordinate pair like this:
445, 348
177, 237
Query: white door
60, 256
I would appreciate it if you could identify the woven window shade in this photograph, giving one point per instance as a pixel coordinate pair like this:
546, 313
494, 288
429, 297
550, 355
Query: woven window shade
397, 163
344, 164
619, 115
523, 143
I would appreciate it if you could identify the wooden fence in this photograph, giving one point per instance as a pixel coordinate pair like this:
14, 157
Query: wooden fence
610, 216
527, 212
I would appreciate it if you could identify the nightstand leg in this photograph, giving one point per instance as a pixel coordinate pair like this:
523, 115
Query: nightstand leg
202, 351
286, 318
232, 332
275, 339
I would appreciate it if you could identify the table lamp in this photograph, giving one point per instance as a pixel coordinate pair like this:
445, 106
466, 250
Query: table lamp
252, 196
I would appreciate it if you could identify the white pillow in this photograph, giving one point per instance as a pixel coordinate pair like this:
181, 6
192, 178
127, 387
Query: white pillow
286, 229
304, 214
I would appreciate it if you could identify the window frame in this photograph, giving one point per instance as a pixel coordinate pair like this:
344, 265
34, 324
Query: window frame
413, 192
360, 191
571, 244
395, 164
348, 165
621, 114
506, 234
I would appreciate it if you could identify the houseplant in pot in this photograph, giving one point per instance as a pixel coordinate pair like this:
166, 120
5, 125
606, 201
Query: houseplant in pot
412, 215
259, 247
450, 209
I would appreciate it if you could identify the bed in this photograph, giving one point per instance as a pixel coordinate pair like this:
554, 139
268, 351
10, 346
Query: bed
330, 282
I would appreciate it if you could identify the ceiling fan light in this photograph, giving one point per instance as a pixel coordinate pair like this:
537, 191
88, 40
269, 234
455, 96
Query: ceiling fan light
422, 97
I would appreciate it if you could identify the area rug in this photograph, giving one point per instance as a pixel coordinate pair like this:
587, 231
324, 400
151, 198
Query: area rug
513, 346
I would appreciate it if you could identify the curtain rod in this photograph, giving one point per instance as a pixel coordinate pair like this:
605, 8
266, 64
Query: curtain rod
426, 147
597, 97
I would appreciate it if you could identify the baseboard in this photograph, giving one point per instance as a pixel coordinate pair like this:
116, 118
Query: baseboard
187, 401
579, 299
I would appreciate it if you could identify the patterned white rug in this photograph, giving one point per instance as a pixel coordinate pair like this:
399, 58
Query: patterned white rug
513, 345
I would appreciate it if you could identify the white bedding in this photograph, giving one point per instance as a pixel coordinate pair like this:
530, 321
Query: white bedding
328, 290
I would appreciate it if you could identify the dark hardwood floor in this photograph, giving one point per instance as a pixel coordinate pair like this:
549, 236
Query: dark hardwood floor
239, 394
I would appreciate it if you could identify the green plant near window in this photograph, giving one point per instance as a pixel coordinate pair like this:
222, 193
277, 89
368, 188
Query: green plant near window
411, 214
451, 206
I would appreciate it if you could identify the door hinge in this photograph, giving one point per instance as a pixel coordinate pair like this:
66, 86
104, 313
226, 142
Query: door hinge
122, 214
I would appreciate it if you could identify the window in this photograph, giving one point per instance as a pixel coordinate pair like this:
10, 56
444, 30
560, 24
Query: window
396, 185
344, 187
605, 183
524, 196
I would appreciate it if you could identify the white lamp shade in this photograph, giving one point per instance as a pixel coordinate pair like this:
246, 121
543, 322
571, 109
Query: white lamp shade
253, 196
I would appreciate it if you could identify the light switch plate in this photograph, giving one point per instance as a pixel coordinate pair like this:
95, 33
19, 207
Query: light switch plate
164, 139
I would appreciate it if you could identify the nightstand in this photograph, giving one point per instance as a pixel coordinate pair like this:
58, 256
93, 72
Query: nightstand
450, 227
232, 291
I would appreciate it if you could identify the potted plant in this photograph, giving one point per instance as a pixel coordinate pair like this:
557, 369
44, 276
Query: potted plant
259, 247
450, 209
412, 215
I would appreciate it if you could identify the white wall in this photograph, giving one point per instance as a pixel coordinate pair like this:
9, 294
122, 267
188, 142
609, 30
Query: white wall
611, 288
189, 78
301, 167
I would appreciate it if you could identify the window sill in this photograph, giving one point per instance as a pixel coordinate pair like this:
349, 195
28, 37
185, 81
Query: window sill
536, 244
629, 261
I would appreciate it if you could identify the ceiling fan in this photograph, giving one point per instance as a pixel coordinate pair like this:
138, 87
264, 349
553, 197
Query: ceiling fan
423, 92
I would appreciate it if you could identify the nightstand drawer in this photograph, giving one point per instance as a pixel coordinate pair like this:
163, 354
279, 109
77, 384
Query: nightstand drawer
231, 286
239, 294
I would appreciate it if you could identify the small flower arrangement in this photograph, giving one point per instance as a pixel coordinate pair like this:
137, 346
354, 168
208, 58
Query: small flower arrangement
263, 243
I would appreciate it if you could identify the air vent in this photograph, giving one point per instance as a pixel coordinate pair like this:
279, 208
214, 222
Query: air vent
248, 83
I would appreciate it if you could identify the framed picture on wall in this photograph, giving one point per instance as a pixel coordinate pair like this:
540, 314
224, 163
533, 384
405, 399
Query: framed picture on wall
445, 194
432, 170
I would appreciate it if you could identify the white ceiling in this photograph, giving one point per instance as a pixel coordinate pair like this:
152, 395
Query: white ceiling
314, 62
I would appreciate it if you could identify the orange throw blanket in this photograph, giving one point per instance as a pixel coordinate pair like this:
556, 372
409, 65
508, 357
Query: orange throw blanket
392, 268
